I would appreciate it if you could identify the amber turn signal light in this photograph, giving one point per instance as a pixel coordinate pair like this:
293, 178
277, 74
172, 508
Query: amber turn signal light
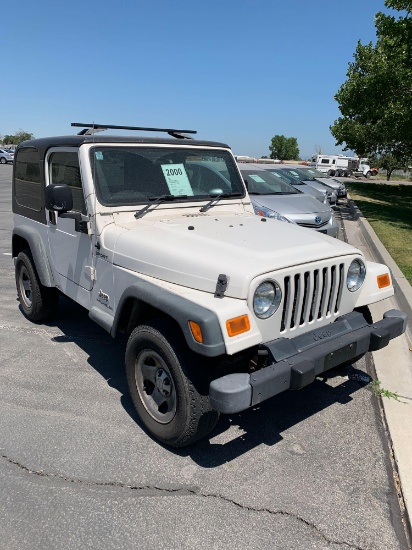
238, 325
196, 331
383, 280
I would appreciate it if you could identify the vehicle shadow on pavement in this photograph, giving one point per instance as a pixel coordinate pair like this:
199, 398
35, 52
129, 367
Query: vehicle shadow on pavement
264, 424
259, 425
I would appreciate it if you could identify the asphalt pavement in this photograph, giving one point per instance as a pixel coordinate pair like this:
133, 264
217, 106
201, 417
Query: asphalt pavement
306, 470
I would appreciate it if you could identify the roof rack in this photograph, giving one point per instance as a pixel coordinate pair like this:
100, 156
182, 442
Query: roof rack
91, 128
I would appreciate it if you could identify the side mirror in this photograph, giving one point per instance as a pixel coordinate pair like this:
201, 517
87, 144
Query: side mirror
59, 198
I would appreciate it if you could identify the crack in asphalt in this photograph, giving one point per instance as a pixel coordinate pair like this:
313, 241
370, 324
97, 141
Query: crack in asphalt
180, 490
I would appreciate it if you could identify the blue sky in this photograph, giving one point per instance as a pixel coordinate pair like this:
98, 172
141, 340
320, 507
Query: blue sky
236, 71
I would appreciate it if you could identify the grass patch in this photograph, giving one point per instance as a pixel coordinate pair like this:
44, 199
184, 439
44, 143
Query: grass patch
388, 208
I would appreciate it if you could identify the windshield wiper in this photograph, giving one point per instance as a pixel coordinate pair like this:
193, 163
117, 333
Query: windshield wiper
217, 198
158, 200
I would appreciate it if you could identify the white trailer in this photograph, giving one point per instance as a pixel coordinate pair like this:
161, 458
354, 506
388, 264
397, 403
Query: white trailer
333, 165
340, 165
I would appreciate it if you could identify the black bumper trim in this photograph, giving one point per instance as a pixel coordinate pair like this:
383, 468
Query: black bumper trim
297, 361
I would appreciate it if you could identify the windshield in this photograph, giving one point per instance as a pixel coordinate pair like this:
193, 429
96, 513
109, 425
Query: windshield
261, 182
308, 174
290, 177
126, 175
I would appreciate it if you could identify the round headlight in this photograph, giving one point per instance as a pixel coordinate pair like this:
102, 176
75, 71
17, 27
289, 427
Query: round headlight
356, 275
266, 299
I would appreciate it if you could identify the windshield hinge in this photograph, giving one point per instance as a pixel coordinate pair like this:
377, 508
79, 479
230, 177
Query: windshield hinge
221, 286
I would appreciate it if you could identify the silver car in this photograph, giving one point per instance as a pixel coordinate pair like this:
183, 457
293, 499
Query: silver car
6, 156
272, 197
320, 193
301, 173
311, 174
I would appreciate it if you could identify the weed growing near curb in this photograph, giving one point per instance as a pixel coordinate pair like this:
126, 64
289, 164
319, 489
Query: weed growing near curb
375, 387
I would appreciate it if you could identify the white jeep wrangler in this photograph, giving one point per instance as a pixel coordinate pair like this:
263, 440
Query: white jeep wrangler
157, 239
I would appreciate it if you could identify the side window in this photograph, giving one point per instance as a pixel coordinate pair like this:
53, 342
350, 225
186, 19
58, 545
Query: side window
325, 161
28, 179
64, 168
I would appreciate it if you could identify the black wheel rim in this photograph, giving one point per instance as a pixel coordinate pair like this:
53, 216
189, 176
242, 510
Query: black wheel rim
155, 386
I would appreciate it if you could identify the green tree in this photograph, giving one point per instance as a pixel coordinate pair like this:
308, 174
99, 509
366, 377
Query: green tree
284, 148
17, 138
389, 163
8, 140
375, 99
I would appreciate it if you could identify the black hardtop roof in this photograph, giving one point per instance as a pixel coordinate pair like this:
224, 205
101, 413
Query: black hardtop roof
43, 144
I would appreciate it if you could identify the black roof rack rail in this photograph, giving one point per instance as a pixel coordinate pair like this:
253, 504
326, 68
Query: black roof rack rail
91, 128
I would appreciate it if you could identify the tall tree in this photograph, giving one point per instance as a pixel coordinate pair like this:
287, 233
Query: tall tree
375, 99
284, 148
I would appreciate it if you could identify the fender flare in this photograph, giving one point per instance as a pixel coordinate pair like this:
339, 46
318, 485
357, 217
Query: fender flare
181, 310
38, 251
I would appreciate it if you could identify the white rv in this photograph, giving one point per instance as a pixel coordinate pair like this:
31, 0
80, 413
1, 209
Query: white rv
340, 165
333, 165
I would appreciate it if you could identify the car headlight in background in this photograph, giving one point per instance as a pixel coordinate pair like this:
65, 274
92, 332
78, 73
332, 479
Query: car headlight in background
356, 275
266, 299
267, 213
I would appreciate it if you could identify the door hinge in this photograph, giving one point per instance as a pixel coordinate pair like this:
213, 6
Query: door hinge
90, 272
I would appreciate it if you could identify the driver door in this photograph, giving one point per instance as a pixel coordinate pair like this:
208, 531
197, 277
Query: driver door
70, 247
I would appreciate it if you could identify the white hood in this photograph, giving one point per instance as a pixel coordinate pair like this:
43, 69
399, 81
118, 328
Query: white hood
193, 252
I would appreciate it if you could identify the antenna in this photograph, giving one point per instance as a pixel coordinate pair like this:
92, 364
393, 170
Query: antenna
94, 127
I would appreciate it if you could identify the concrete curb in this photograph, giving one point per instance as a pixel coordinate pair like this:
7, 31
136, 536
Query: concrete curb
392, 366
403, 290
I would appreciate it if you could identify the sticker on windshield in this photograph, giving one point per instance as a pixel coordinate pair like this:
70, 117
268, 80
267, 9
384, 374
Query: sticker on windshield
257, 178
176, 179
99, 155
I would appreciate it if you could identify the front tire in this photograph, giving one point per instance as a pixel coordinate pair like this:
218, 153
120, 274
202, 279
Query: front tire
37, 302
3, 160
168, 385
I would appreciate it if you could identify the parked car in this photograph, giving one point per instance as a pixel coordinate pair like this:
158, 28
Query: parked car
292, 170
6, 156
321, 195
275, 198
312, 174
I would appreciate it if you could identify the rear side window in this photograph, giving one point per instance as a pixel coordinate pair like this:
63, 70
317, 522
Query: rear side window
27, 179
64, 168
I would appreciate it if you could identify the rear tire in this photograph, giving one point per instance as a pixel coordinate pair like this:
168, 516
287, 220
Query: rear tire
37, 302
168, 384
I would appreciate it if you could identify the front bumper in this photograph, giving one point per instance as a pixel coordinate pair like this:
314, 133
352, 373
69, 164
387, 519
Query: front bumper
295, 362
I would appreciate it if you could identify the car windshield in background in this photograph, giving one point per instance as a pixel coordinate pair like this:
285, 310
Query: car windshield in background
135, 175
308, 174
261, 182
290, 177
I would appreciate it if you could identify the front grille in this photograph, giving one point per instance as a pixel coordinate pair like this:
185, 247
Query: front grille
311, 296
314, 225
